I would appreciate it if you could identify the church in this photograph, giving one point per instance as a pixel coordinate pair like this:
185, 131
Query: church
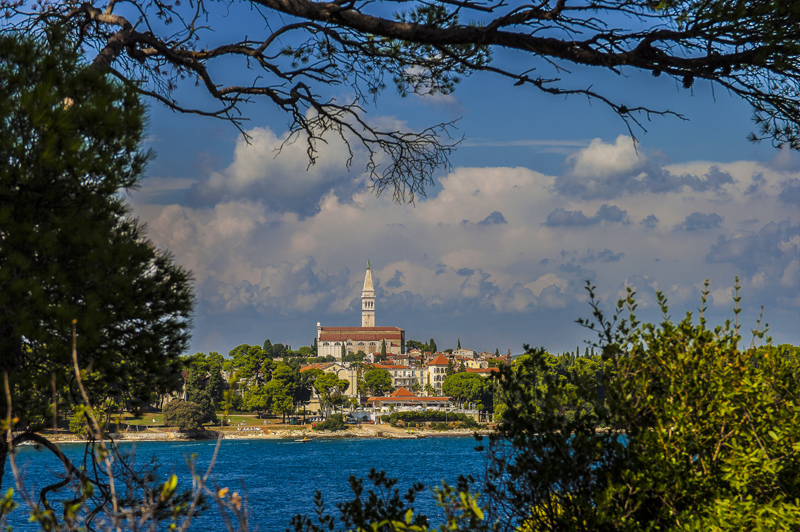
367, 338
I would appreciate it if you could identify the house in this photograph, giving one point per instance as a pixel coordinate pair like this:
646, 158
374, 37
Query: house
483, 372
437, 372
402, 399
351, 375
405, 376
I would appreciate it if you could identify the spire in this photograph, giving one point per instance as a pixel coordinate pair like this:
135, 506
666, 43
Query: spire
368, 300
368, 287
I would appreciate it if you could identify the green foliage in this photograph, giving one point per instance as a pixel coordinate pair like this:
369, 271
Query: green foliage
207, 407
204, 373
378, 382
429, 347
308, 351
252, 363
330, 389
430, 415
358, 356
694, 434
79, 423
70, 144
468, 387
384, 509
699, 434
335, 422
183, 414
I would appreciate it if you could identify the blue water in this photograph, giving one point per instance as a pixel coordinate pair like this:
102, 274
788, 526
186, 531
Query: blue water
280, 477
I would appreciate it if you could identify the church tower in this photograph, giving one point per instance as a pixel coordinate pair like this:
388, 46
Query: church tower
368, 300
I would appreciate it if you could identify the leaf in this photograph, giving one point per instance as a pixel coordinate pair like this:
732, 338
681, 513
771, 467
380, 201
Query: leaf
168, 488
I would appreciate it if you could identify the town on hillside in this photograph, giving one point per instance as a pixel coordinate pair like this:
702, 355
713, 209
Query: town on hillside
417, 375
366, 374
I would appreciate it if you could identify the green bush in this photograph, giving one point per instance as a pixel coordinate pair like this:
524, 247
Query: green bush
183, 414
78, 423
334, 422
430, 416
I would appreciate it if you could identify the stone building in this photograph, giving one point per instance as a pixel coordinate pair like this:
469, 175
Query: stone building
437, 372
367, 338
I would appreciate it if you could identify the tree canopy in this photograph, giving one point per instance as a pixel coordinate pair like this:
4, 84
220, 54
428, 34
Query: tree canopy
697, 434
82, 291
378, 382
469, 387
692, 433
69, 252
750, 48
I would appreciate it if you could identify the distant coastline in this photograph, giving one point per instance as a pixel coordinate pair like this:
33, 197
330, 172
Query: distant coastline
355, 431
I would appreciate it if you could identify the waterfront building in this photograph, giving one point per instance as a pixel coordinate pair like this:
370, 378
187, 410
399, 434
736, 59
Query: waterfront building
402, 399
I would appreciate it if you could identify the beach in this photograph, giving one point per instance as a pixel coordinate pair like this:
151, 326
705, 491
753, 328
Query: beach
280, 432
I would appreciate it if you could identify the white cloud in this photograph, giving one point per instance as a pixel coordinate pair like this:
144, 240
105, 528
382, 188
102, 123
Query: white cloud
438, 263
601, 160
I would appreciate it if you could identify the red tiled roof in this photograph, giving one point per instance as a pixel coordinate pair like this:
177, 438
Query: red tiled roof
412, 398
440, 360
391, 366
481, 370
316, 365
402, 392
364, 334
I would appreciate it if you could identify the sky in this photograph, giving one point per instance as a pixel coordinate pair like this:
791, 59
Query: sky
543, 194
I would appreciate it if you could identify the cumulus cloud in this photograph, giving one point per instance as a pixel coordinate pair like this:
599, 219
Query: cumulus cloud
650, 222
700, 222
276, 172
514, 262
606, 213
396, 281
770, 251
496, 218
605, 255
610, 170
791, 192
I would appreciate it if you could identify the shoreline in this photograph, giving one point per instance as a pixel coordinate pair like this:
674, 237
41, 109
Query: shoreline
357, 431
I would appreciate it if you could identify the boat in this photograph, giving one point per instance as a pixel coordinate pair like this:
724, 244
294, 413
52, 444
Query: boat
304, 440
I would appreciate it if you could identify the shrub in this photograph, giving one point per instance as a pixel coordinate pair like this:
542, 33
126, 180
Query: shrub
334, 423
183, 414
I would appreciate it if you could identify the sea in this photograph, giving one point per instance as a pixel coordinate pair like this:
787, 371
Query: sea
278, 478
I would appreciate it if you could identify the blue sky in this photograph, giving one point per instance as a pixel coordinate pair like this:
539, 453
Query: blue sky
543, 194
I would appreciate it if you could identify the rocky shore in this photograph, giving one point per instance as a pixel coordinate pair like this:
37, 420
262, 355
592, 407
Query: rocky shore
293, 433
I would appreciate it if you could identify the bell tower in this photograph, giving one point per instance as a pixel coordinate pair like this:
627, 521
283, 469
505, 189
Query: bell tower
368, 300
